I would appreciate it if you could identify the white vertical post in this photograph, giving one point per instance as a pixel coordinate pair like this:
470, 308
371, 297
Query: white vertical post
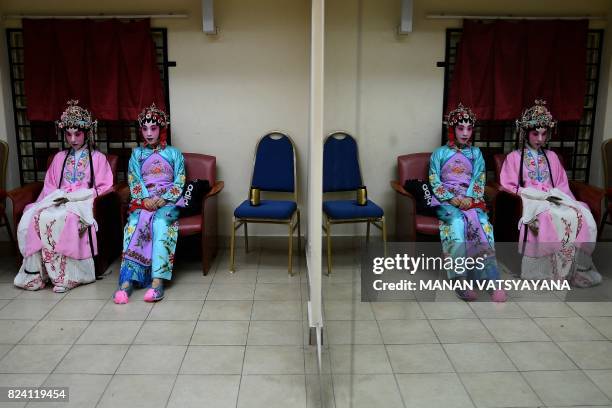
315, 168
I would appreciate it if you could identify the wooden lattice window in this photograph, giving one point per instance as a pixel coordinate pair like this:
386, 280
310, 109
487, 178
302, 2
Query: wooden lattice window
574, 140
37, 140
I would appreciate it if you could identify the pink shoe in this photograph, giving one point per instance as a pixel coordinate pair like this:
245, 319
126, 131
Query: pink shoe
499, 296
154, 294
121, 297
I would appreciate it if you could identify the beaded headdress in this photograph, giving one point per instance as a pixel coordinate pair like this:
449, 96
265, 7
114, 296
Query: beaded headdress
461, 114
153, 114
537, 116
76, 117
456, 116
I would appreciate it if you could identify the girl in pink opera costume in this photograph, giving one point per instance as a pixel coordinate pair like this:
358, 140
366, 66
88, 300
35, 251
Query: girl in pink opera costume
57, 233
557, 233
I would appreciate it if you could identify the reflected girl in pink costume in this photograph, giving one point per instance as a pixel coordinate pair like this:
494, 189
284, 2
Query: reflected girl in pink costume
57, 233
557, 233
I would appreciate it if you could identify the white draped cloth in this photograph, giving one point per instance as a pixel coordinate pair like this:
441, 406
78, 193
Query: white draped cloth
563, 256
38, 267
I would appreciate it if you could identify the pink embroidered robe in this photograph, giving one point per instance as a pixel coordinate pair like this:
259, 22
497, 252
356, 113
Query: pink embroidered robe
547, 234
71, 243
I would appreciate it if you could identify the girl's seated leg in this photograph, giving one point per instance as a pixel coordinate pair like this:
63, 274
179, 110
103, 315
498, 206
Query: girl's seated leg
165, 233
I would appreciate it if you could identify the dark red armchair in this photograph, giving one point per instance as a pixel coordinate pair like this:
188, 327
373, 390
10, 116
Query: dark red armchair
204, 225
508, 206
202, 166
107, 212
408, 224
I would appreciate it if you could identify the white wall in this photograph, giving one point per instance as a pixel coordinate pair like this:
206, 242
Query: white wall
227, 90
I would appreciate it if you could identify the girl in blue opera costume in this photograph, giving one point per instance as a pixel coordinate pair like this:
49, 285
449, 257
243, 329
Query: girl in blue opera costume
457, 177
156, 176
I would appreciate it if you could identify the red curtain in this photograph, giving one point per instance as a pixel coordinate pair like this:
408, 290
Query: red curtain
109, 66
502, 67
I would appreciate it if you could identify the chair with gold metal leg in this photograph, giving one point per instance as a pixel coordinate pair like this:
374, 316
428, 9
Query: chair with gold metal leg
341, 172
274, 170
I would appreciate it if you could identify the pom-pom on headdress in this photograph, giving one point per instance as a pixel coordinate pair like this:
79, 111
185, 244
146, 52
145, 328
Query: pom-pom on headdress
537, 116
154, 115
456, 116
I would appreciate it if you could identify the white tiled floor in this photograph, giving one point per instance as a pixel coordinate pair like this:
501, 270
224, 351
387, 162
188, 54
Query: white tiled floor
241, 341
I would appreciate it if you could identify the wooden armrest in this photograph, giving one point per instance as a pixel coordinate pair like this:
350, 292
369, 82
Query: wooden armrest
587, 190
23, 196
589, 194
216, 189
395, 185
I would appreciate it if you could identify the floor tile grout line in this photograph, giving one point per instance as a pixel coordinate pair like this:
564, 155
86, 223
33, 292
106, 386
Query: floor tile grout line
467, 391
304, 334
605, 394
125, 354
595, 328
582, 369
130, 346
498, 345
178, 372
252, 311
576, 317
397, 386
245, 348
30, 330
350, 370
54, 368
327, 346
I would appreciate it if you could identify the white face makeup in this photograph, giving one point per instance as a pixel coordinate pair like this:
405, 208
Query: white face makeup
463, 132
150, 133
537, 138
75, 138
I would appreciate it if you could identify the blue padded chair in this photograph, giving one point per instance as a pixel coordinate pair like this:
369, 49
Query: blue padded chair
274, 169
341, 173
